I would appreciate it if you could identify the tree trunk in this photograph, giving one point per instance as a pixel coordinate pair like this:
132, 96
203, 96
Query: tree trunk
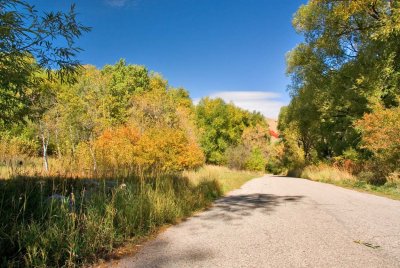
58, 144
93, 155
45, 143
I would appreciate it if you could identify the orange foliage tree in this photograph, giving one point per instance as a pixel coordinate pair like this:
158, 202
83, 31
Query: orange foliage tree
155, 150
168, 150
380, 134
117, 148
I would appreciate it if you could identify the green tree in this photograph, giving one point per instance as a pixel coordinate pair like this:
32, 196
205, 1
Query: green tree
256, 160
30, 41
348, 63
84, 111
124, 80
221, 126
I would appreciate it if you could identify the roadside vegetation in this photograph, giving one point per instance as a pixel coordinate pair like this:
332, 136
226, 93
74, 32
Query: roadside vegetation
58, 221
343, 122
93, 158
110, 159
228, 179
361, 182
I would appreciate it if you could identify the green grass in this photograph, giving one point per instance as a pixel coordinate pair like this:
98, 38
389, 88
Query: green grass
387, 190
339, 177
54, 221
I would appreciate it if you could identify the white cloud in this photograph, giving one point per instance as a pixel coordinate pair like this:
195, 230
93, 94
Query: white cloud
118, 3
265, 102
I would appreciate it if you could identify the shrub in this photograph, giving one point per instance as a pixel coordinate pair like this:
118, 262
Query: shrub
371, 178
394, 178
237, 156
275, 160
242, 158
296, 172
256, 161
109, 152
13, 149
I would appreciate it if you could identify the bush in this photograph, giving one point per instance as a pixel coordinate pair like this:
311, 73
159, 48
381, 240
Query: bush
241, 157
274, 167
237, 156
393, 178
256, 161
14, 149
371, 178
275, 160
295, 172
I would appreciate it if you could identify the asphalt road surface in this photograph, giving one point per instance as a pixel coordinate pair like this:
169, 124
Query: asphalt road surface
282, 222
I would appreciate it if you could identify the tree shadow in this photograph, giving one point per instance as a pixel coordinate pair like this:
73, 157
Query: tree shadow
229, 210
235, 207
188, 256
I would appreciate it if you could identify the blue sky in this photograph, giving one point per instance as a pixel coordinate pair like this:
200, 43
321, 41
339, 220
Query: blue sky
234, 49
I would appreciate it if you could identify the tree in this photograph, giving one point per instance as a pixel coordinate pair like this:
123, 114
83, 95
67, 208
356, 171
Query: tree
108, 148
221, 126
30, 41
348, 64
88, 113
155, 107
257, 137
124, 81
252, 151
168, 150
380, 135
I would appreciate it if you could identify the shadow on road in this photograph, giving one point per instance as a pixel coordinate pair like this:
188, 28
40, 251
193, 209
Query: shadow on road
186, 256
235, 207
228, 210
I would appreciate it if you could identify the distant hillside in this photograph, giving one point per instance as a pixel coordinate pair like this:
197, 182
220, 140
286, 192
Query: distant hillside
273, 127
273, 124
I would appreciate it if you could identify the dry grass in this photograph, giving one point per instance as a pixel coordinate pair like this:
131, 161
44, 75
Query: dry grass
327, 173
394, 178
33, 167
229, 179
340, 177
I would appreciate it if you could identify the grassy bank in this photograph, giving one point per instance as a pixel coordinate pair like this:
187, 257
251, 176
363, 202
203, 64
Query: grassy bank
228, 179
340, 177
67, 222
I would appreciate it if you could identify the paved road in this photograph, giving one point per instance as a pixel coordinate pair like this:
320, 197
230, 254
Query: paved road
282, 222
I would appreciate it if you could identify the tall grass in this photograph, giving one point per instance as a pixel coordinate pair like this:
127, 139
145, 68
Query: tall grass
33, 167
326, 173
52, 221
59, 221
